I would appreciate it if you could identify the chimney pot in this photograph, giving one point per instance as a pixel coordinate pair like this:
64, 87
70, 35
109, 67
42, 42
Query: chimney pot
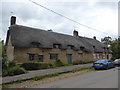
13, 20
50, 30
75, 33
94, 37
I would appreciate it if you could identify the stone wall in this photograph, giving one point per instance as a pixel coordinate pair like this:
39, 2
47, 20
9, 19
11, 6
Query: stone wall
10, 50
21, 54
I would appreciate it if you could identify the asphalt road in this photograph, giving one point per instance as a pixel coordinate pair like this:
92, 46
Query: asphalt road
33, 73
97, 79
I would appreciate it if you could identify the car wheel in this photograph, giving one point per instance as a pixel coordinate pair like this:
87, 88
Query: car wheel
96, 69
106, 68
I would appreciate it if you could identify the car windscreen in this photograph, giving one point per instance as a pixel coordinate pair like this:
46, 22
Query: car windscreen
117, 59
102, 61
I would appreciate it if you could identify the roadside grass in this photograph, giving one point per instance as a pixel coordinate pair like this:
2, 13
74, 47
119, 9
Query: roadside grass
36, 78
3, 86
0, 48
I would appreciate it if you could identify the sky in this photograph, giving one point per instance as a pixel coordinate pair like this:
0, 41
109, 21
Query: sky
98, 14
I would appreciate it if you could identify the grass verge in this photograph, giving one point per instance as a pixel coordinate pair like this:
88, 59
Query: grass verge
47, 76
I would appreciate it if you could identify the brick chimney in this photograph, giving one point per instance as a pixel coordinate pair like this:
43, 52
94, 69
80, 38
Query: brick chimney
75, 33
94, 37
13, 20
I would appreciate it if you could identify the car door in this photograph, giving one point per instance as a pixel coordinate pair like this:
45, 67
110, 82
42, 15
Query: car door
110, 64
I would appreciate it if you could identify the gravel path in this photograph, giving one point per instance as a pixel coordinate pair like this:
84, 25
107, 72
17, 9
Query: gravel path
41, 72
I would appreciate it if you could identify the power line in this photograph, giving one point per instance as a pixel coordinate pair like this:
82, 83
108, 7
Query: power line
67, 17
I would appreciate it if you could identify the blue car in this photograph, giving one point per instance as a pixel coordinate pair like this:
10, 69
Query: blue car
117, 62
103, 64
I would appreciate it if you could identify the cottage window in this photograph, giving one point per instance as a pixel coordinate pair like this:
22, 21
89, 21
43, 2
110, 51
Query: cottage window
94, 56
80, 55
31, 57
98, 56
40, 58
104, 56
53, 56
94, 47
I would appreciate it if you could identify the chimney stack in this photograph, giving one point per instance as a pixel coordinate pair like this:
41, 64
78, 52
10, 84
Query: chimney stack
94, 37
50, 30
75, 33
13, 20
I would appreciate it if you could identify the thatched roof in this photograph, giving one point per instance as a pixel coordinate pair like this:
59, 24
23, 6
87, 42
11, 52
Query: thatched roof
23, 36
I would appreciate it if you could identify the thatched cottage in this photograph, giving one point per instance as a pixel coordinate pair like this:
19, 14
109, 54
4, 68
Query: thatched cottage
25, 44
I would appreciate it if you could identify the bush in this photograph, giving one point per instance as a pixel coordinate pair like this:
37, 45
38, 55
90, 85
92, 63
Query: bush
4, 72
16, 70
58, 63
51, 65
34, 65
44, 65
4, 63
11, 64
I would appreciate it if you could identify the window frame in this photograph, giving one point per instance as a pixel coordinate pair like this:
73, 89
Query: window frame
53, 56
39, 58
31, 57
94, 56
80, 55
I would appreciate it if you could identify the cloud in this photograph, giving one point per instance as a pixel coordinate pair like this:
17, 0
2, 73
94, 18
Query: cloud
99, 15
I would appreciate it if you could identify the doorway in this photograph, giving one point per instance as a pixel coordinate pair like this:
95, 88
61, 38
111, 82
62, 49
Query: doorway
69, 58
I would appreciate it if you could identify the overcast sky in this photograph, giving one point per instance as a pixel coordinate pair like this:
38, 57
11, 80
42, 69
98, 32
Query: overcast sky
97, 14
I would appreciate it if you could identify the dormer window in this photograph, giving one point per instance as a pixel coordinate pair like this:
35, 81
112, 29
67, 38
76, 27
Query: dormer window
56, 45
36, 44
104, 48
82, 47
94, 47
70, 46
107, 48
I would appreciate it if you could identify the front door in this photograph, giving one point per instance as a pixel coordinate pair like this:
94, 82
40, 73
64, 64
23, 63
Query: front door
107, 56
40, 58
69, 58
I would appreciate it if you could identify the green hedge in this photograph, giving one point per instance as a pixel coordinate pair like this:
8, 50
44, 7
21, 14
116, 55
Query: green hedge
11, 64
35, 65
59, 63
51, 65
82, 62
16, 70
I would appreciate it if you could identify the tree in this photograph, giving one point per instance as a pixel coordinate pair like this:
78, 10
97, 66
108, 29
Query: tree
106, 40
3, 55
115, 47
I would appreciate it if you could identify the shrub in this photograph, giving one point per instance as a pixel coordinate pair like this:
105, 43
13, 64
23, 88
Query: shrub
34, 65
4, 63
16, 70
11, 64
51, 65
58, 63
44, 65
4, 72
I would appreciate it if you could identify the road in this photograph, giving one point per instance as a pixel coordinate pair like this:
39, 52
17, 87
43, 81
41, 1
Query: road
33, 73
97, 79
